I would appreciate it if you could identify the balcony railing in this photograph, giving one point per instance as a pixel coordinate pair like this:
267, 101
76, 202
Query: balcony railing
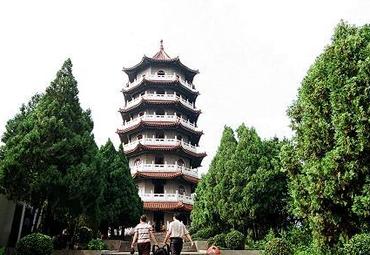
169, 168
166, 118
159, 97
155, 77
161, 142
168, 197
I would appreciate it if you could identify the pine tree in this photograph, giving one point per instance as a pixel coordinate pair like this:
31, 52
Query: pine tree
121, 205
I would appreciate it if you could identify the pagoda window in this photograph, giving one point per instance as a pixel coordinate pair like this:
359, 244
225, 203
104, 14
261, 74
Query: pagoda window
161, 73
159, 160
180, 162
160, 112
139, 137
160, 91
158, 188
181, 190
137, 162
159, 135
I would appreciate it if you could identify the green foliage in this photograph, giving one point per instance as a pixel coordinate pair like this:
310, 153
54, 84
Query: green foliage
84, 235
235, 240
204, 233
278, 246
97, 244
210, 241
359, 244
121, 204
243, 180
220, 240
35, 244
2, 250
327, 161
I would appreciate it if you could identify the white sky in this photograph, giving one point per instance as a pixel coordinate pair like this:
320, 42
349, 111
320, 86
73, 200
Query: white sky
252, 55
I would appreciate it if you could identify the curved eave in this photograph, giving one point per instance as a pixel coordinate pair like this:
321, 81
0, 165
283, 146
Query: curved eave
166, 176
157, 124
167, 206
197, 112
131, 71
140, 149
146, 82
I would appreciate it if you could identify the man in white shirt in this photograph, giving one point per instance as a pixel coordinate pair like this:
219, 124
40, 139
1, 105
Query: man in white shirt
176, 232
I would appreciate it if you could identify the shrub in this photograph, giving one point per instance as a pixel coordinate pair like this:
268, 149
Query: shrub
210, 241
219, 240
2, 250
204, 233
358, 244
35, 244
277, 246
97, 244
84, 235
235, 240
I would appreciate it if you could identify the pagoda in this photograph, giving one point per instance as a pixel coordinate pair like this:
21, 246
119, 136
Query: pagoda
160, 135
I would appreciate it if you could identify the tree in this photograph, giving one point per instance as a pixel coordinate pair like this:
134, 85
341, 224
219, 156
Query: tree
243, 180
51, 150
121, 204
209, 191
328, 160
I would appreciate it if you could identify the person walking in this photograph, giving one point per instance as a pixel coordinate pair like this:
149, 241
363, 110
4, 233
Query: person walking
176, 232
143, 234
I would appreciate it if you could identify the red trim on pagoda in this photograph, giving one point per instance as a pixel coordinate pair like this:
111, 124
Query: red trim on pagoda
141, 147
166, 175
158, 102
162, 124
162, 82
167, 206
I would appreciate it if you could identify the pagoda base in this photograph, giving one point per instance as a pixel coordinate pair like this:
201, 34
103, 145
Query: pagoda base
160, 220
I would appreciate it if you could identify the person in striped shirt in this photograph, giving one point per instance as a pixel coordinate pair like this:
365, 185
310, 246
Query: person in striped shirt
143, 234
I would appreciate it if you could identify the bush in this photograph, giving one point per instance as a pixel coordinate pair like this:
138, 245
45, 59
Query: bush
235, 240
278, 246
97, 244
84, 235
204, 233
210, 241
2, 250
219, 240
35, 244
358, 244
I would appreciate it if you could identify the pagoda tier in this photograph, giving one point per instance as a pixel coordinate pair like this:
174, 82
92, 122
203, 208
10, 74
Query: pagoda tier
165, 61
160, 122
158, 101
160, 82
165, 172
170, 146
160, 135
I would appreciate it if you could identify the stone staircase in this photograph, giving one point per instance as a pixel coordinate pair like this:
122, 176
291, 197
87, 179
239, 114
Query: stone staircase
186, 246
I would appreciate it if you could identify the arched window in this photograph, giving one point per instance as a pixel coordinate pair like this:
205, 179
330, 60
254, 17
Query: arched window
160, 73
181, 190
180, 162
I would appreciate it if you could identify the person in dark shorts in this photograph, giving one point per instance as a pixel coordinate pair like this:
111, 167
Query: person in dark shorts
176, 232
143, 234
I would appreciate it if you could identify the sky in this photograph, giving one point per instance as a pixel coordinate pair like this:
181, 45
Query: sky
252, 55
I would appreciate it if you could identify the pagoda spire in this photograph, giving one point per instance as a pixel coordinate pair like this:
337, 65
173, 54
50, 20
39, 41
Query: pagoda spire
161, 54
